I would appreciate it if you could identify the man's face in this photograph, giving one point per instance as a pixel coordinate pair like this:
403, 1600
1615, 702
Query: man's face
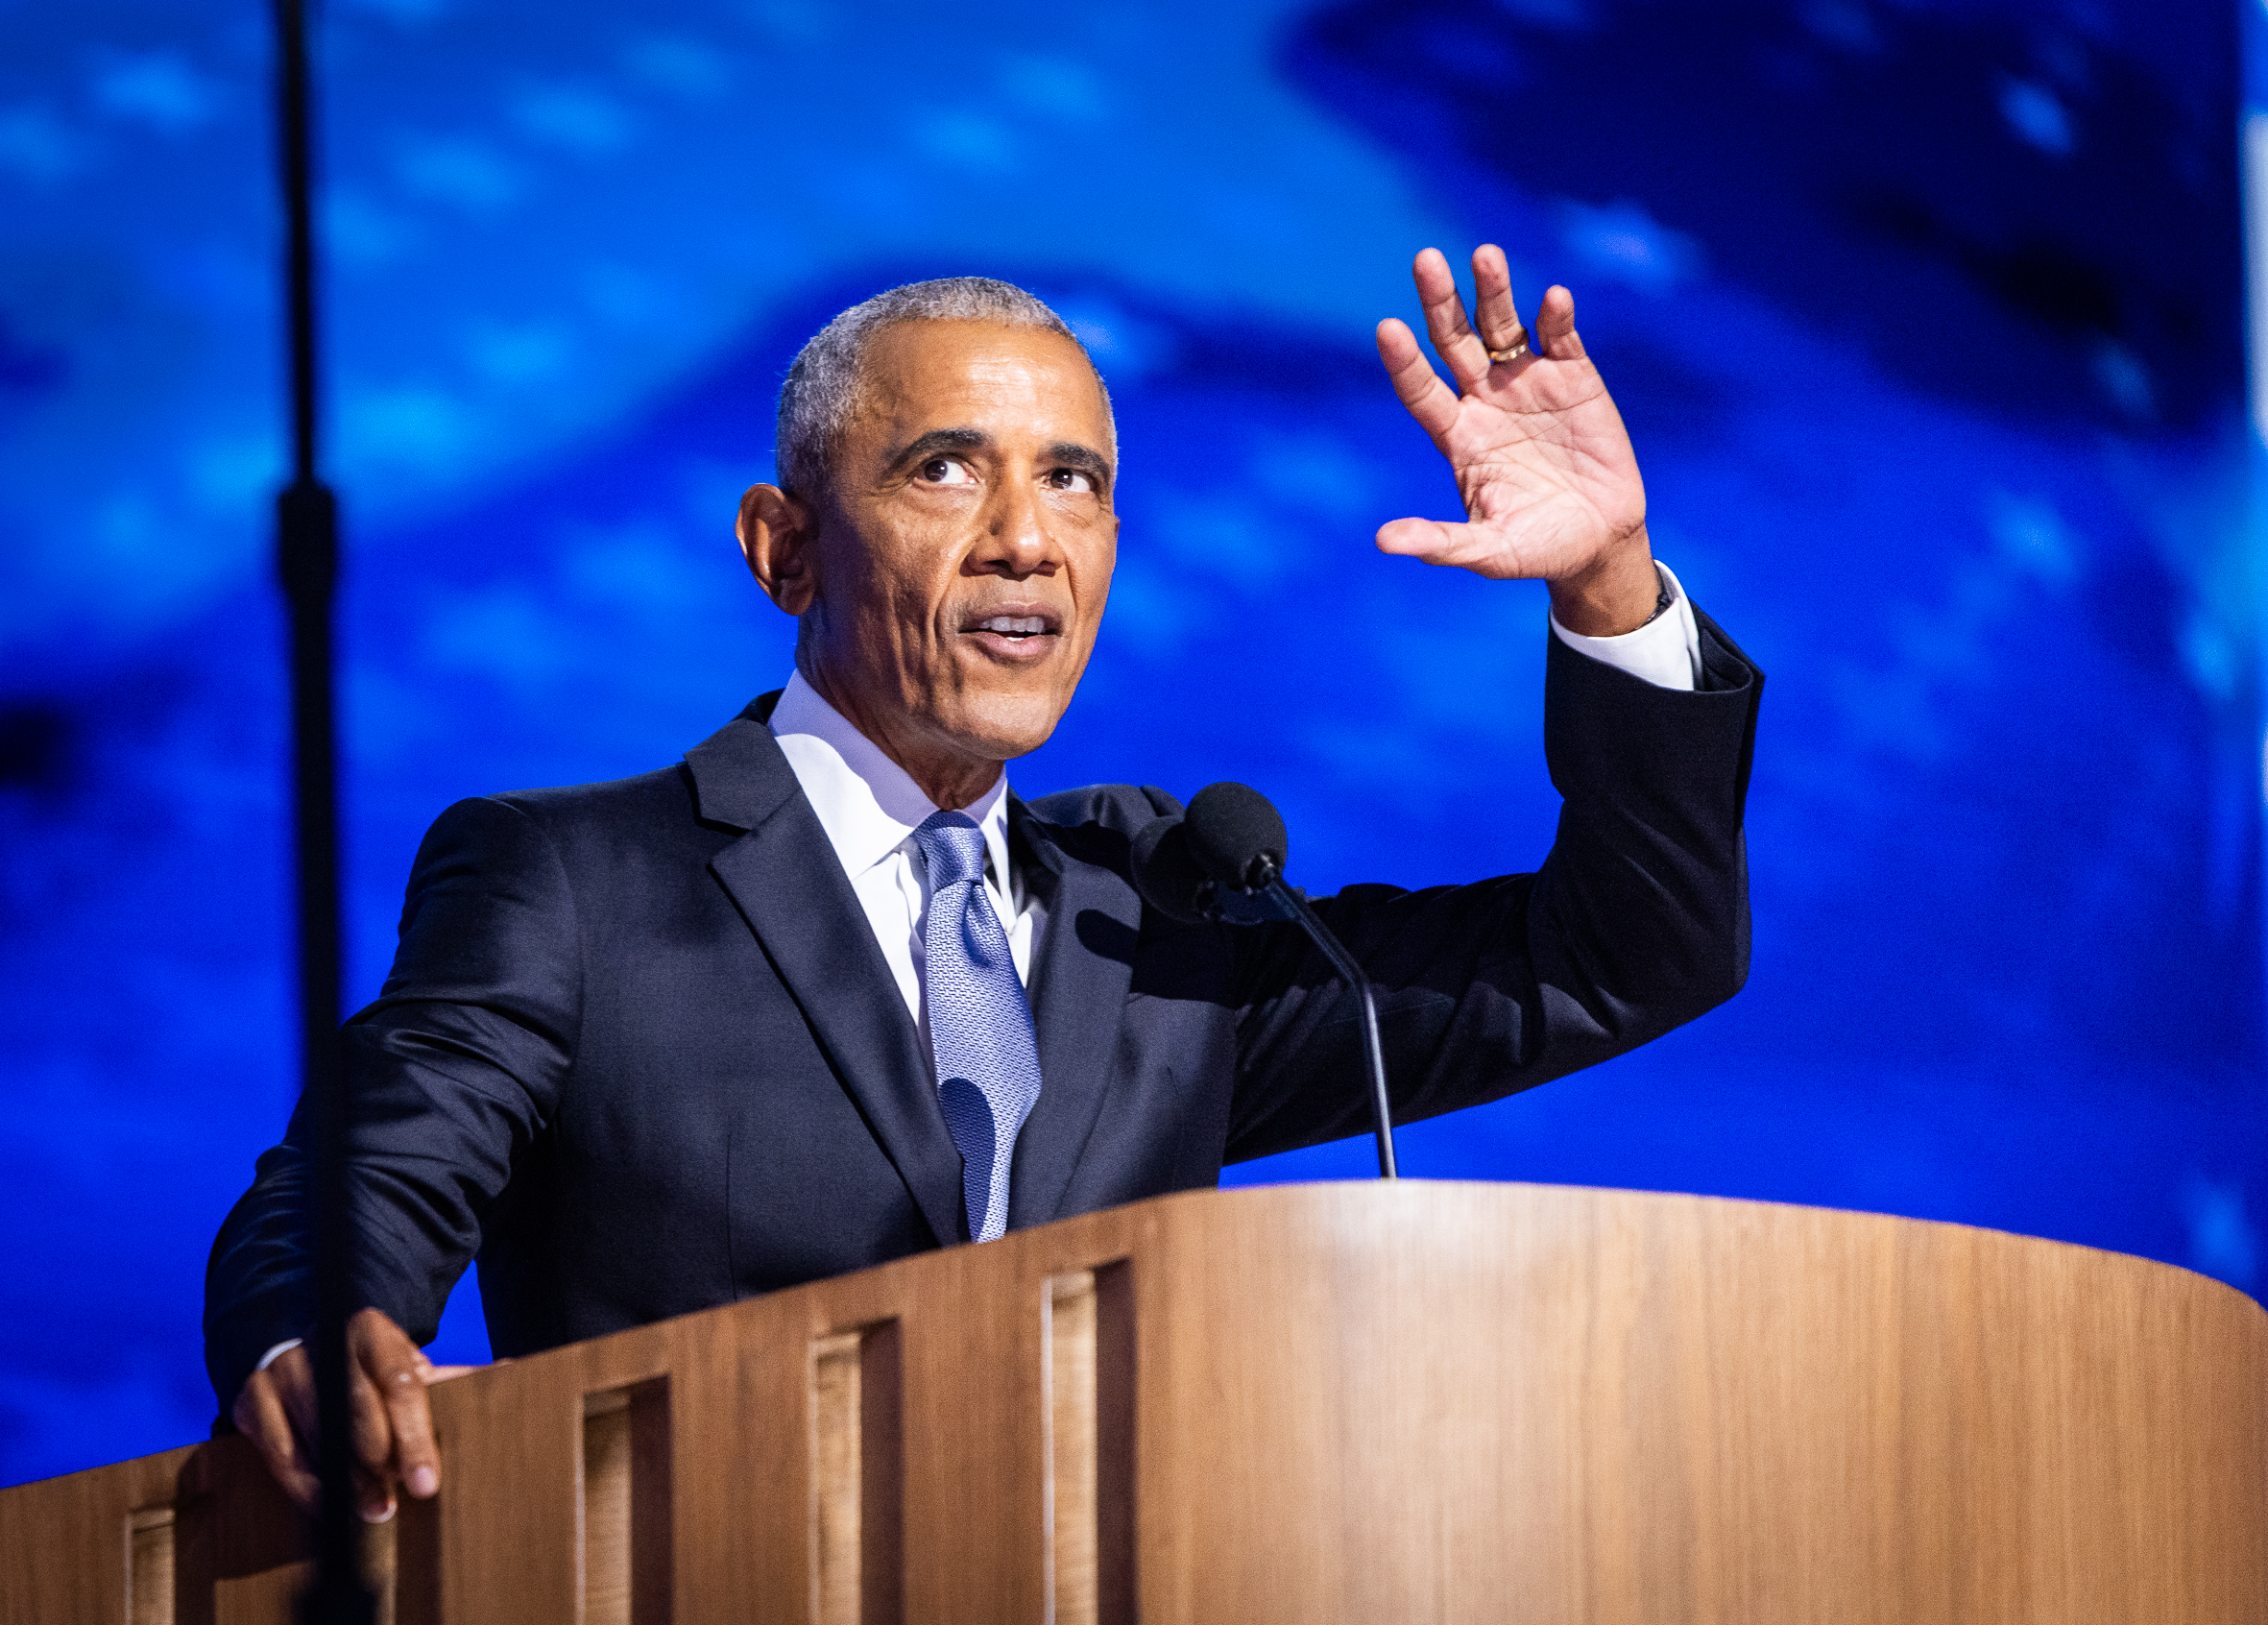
960, 561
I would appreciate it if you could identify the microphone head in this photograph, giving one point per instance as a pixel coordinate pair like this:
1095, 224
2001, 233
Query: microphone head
1166, 873
1231, 828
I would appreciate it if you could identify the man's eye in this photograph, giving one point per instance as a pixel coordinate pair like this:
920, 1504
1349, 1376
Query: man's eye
945, 470
1070, 480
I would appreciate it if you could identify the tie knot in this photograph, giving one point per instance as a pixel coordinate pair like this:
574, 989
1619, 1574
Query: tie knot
952, 846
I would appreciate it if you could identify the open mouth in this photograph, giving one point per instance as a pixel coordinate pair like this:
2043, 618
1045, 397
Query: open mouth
1014, 633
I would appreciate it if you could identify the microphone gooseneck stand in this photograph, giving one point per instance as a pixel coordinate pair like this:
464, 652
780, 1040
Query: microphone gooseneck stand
1288, 904
306, 519
1222, 859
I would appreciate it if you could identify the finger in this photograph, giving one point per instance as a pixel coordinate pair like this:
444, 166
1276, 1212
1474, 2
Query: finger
417, 1460
1494, 313
259, 1415
1554, 327
1459, 347
398, 1372
373, 1497
372, 1433
1430, 401
293, 1374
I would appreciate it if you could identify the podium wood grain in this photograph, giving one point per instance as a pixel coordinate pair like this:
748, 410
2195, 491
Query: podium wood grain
1427, 1402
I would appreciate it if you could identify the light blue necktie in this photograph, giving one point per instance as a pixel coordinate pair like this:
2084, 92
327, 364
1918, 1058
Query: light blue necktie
988, 1060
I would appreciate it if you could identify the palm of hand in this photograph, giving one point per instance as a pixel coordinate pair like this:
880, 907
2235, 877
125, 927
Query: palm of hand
1545, 468
1551, 486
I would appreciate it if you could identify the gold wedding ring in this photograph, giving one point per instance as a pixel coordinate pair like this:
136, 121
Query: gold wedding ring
1513, 354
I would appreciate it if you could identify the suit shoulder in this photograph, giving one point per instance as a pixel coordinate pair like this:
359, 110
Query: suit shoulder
567, 814
663, 789
1124, 808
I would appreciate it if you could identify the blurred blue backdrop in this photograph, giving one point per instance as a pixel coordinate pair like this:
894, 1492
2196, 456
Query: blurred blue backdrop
1927, 320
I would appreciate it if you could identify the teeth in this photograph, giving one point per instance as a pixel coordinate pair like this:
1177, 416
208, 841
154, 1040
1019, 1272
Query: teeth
1013, 625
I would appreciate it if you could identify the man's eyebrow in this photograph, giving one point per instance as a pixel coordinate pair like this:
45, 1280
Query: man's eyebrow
925, 445
1069, 454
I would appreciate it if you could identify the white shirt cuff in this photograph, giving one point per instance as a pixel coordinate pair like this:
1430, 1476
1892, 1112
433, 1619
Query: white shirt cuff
269, 1359
1665, 651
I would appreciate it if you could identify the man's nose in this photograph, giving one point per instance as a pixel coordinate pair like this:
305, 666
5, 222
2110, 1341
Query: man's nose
1017, 540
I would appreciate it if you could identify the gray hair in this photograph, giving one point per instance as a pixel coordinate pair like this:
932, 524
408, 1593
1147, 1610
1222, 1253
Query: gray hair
822, 386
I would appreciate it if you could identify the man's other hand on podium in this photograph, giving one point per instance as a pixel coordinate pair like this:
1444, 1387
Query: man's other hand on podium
393, 1448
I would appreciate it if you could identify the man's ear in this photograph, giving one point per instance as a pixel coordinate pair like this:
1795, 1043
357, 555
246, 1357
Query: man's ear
776, 534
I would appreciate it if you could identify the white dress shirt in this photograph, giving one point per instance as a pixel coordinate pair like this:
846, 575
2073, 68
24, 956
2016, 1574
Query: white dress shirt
870, 806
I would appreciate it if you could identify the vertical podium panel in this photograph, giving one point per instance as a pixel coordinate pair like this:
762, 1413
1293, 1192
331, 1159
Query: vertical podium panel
1306, 1405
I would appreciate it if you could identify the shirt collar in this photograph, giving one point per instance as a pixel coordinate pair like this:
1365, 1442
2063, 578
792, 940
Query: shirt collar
867, 803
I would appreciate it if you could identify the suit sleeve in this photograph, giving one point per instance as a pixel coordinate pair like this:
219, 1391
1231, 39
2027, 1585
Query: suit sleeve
1636, 922
452, 1073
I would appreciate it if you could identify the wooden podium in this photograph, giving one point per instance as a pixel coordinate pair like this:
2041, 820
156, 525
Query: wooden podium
1360, 1402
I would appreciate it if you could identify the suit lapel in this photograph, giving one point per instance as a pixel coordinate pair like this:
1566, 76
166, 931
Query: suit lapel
783, 877
1079, 995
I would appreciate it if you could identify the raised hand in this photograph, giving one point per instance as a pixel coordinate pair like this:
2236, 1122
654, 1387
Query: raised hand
1550, 484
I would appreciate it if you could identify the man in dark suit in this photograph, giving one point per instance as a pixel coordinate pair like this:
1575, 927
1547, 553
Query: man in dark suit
763, 1016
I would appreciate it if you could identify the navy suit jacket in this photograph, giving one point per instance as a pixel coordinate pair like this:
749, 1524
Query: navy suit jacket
641, 1053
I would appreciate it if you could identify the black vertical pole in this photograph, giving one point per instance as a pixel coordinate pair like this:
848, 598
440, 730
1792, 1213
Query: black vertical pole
307, 560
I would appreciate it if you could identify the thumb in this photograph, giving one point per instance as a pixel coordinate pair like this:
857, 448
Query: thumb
1435, 542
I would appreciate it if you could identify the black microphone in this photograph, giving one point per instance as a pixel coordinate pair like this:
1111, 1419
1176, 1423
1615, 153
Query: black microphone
1237, 835
1198, 866
1223, 861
